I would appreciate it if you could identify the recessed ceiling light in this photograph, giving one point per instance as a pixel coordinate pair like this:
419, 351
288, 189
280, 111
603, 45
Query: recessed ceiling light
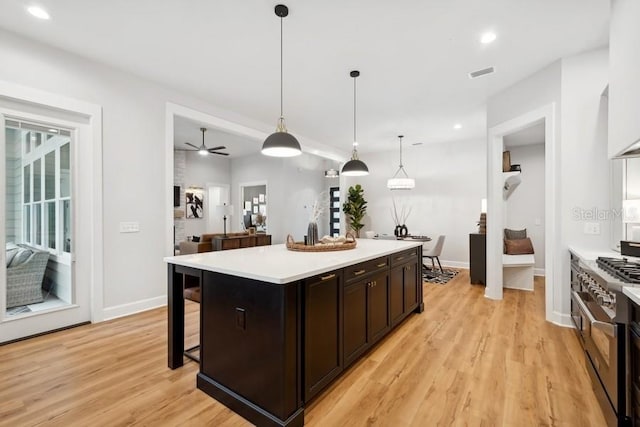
53, 130
488, 37
38, 12
457, 126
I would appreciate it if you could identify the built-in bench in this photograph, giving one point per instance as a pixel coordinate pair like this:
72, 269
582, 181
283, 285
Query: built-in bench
517, 271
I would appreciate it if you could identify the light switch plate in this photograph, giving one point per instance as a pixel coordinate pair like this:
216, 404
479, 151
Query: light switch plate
591, 228
130, 227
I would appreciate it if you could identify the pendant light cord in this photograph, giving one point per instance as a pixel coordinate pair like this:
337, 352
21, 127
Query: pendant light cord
354, 113
400, 151
281, 68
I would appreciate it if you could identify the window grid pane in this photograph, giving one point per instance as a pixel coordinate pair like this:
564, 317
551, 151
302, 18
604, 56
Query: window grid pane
65, 171
37, 223
51, 225
50, 176
37, 180
27, 184
66, 225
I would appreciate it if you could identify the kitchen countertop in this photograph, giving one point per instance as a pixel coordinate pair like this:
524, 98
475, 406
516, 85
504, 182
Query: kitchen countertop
592, 254
277, 264
633, 293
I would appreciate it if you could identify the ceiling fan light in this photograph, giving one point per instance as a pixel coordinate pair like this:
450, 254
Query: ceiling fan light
401, 183
355, 167
203, 151
281, 144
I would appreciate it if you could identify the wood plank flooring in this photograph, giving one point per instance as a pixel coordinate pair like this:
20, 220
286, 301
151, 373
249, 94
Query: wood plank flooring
465, 361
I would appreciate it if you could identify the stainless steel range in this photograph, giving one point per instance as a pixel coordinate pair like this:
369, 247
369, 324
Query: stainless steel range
600, 321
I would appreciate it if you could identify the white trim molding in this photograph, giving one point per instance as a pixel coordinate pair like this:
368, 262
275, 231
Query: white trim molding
134, 307
87, 116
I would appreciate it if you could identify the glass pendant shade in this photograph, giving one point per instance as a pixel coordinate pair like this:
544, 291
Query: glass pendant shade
401, 183
397, 182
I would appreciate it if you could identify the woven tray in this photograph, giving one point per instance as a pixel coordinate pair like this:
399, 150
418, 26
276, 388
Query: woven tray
321, 247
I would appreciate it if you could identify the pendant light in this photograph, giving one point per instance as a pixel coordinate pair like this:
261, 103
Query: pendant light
281, 143
355, 166
397, 182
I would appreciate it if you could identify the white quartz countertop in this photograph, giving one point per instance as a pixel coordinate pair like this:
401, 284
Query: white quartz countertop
277, 264
593, 254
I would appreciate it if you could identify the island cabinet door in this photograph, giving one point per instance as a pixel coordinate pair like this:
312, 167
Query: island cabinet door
411, 283
378, 307
355, 320
322, 331
396, 294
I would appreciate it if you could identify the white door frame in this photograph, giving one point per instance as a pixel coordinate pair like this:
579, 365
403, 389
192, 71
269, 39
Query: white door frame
28, 99
495, 220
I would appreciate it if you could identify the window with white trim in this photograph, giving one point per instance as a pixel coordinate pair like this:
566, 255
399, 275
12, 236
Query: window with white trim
46, 189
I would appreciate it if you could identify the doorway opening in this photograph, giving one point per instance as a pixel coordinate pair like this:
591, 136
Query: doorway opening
497, 215
51, 204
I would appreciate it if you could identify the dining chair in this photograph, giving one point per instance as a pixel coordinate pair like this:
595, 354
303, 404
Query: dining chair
434, 253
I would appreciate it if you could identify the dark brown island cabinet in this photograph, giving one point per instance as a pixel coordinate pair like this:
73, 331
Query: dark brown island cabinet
268, 349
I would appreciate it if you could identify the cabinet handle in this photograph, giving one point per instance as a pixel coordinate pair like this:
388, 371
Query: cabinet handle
327, 277
382, 264
359, 272
400, 258
634, 245
369, 285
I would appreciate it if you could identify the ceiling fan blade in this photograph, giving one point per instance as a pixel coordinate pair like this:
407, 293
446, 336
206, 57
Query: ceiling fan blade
219, 153
191, 145
221, 147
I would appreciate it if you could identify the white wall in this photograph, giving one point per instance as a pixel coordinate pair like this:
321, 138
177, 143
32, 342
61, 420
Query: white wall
292, 186
133, 158
525, 206
450, 185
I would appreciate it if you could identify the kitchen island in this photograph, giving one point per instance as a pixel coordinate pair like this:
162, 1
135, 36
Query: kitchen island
277, 326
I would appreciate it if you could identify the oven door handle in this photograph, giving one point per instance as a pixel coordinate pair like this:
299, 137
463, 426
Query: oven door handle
608, 328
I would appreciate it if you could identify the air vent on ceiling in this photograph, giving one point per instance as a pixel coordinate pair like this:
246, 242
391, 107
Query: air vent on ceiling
480, 73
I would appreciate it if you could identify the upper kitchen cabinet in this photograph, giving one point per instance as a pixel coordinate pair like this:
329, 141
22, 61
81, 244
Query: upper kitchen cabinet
624, 87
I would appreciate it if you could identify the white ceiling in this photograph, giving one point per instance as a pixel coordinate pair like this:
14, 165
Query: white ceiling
414, 56
186, 130
527, 136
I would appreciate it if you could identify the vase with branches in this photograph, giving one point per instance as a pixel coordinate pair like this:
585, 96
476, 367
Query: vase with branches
400, 219
318, 207
355, 208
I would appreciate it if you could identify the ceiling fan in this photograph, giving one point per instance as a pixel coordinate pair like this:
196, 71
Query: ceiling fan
203, 150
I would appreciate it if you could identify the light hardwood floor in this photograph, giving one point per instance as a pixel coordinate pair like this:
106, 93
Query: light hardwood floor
465, 361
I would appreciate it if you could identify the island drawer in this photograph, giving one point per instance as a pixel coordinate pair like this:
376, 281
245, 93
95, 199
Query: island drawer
404, 257
355, 272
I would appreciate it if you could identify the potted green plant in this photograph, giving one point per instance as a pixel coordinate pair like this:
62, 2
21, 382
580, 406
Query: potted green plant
355, 208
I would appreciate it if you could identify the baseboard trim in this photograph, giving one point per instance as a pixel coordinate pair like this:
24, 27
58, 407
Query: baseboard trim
517, 289
561, 319
538, 272
134, 307
452, 264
